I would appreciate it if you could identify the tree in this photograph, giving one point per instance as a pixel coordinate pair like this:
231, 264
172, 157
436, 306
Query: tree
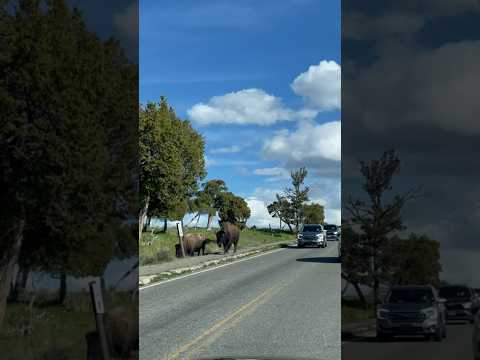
208, 200
233, 209
289, 207
313, 214
171, 161
67, 160
375, 221
415, 260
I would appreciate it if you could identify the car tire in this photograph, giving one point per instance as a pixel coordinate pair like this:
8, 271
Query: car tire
444, 333
438, 335
383, 337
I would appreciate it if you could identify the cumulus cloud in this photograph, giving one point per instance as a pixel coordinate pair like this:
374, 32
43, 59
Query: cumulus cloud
308, 141
227, 150
320, 85
248, 106
259, 215
210, 162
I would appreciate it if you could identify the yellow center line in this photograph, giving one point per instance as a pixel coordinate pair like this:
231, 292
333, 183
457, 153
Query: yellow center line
229, 319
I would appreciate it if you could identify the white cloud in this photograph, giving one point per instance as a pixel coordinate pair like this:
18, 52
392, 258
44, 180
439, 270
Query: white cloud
320, 85
259, 215
309, 142
227, 150
273, 174
248, 106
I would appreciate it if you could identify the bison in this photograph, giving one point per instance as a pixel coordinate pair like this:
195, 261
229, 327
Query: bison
195, 243
228, 234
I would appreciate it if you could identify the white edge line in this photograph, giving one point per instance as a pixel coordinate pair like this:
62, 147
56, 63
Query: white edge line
209, 269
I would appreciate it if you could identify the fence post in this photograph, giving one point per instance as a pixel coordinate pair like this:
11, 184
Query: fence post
99, 310
180, 237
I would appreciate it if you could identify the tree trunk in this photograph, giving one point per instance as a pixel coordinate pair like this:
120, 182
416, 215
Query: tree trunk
360, 295
149, 221
7, 267
165, 225
209, 222
62, 293
193, 219
198, 219
142, 218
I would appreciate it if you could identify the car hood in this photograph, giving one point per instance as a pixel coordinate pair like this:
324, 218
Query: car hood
406, 307
310, 233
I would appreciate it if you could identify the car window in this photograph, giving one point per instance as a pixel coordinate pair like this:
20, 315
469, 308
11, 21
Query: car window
451, 292
312, 228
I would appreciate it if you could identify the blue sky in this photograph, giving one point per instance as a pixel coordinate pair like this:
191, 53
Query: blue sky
260, 80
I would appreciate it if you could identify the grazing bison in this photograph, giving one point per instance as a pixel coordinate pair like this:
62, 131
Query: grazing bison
194, 243
228, 234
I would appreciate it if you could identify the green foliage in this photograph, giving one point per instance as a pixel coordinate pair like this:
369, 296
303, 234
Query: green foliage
289, 207
313, 214
233, 209
415, 260
171, 160
67, 155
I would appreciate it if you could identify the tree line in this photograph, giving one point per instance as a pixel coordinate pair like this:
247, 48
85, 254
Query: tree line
172, 167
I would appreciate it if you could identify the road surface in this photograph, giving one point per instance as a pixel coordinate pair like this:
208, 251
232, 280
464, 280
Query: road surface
281, 304
457, 346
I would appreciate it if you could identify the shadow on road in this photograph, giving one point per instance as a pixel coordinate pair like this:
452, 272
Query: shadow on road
373, 339
321, 260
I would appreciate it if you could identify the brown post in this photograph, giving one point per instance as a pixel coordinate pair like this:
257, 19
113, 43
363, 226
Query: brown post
98, 309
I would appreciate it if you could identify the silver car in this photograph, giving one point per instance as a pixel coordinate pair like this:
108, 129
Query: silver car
312, 234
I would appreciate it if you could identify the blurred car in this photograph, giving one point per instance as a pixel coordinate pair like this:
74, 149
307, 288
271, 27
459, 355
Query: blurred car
461, 301
333, 233
312, 234
412, 310
476, 335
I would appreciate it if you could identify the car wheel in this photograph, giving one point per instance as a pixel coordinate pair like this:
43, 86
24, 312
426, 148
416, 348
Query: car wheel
438, 335
444, 335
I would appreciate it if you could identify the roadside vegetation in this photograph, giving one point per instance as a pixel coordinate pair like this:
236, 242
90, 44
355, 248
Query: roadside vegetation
158, 247
354, 311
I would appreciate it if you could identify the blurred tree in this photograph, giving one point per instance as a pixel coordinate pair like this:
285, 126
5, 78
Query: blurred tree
67, 165
233, 209
375, 221
313, 214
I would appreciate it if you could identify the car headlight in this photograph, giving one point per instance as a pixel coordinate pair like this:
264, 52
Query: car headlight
382, 314
299, 236
467, 305
430, 313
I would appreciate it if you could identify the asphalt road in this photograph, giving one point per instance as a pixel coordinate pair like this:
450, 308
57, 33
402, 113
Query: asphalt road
457, 346
283, 304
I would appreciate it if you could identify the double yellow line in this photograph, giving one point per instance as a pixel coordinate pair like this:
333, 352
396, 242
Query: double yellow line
216, 330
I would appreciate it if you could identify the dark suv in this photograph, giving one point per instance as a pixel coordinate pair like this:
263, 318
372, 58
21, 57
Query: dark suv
412, 310
461, 300
333, 232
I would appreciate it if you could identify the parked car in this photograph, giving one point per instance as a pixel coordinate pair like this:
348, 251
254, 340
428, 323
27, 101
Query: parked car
412, 310
312, 234
476, 334
461, 300
333, 233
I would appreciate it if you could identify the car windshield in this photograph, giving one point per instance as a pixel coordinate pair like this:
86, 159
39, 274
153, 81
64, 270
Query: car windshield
413, 296
330, 227
452, 292
312, 228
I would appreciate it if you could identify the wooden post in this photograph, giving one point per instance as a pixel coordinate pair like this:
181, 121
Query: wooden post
180, 237
99, 310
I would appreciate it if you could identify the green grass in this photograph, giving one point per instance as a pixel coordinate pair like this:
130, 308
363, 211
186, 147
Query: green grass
58, 331
353, 312
162, 247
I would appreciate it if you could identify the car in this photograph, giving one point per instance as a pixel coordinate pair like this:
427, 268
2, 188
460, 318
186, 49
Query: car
333, 233
460, 302
312, 234
476, 334
412, 310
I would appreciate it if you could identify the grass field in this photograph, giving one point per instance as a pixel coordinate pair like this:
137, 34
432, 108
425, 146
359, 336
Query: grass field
162, 247
58, 332
353, 311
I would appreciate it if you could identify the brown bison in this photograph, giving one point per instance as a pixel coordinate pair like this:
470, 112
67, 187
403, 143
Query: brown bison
195, 243
228, 234
121, 327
